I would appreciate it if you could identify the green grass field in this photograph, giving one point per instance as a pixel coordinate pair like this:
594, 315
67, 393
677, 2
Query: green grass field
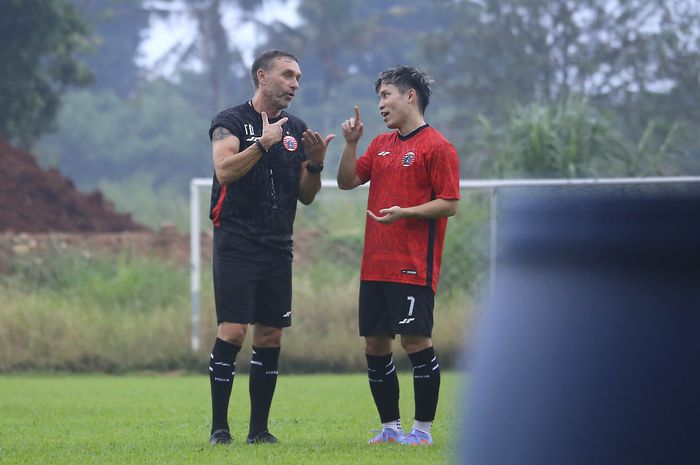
159, 419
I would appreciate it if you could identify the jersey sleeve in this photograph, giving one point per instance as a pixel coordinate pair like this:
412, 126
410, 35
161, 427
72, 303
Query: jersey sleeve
363, 166
228, 121
444, 172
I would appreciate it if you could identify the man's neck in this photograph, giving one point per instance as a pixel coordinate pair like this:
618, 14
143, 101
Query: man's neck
260, 104
411, 125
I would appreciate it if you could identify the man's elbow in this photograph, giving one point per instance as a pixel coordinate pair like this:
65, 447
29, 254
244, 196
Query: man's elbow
223, 178
224, 174
306, 199
345, 184
453, 208
307, 195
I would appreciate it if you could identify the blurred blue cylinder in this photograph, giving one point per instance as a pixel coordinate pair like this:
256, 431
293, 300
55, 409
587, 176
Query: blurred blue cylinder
588, 351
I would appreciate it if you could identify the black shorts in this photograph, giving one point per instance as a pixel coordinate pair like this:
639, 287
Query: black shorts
252, 282
395, 308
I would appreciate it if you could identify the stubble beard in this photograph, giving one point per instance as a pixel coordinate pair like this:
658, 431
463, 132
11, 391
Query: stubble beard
278, 99
283, 101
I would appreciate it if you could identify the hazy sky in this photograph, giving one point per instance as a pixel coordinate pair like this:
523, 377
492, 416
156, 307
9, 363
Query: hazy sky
180, 28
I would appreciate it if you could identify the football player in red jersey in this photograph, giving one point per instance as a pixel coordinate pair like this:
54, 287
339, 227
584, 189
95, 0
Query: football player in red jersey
415, 186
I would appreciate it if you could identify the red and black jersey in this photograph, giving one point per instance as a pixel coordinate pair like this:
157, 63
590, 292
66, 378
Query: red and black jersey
262, 204
407, 171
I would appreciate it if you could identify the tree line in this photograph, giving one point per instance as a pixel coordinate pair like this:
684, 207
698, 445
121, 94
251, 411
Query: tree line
524, 88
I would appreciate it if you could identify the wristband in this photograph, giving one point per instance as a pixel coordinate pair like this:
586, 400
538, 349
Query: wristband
314, 168
260, 147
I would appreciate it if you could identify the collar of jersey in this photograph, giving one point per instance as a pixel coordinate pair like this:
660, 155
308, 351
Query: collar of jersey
271, 120
412, 133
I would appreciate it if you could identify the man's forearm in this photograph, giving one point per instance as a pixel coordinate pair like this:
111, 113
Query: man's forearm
232, 167
309, 185
433, 209
346, 169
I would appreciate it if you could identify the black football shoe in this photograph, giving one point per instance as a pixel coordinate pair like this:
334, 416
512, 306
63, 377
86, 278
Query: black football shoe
220, 437
263, 437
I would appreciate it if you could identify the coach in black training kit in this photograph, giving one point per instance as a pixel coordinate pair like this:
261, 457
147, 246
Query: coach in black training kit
264, 160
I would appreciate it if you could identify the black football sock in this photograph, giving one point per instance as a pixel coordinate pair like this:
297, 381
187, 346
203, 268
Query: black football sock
384, 385
263, 379
222, 368
426, 383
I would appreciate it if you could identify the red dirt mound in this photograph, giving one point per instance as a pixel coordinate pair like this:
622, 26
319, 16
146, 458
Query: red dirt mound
34, 200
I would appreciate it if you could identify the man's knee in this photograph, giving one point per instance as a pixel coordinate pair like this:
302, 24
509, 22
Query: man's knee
415, 343
378, 345
233, 333
267, 336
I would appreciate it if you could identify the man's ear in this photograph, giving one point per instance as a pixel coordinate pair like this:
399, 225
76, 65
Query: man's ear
261, 75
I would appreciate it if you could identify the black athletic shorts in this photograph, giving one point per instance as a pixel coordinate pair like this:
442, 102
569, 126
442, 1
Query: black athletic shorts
252, 282
395, 308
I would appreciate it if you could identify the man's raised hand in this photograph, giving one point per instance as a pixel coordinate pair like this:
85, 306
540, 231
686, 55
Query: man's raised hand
353, 127
271, 133
315, 146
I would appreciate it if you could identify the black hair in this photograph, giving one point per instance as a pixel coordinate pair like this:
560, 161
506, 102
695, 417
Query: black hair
405, 78
263, 62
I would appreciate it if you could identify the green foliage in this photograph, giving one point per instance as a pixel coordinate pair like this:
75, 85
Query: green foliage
155, 133
640, 85
657, 152
465, 262
336, 221
320, 419
570, 140
151, 204
638, 58
116, 284
38, 50
71, 312
117, 28
75, 312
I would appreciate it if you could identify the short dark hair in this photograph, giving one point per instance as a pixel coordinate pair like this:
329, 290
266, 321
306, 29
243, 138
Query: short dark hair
263, 62
406, 77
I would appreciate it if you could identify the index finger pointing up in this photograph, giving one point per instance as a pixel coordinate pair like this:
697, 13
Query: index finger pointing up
357, 114
265, 121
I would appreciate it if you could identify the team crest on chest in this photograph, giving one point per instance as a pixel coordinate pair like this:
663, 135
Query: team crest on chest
290, 143
408, 159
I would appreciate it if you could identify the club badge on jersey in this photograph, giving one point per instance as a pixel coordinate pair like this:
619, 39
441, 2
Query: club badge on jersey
290, 143
408, 159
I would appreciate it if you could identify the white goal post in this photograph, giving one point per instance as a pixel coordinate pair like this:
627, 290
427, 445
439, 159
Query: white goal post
489, 185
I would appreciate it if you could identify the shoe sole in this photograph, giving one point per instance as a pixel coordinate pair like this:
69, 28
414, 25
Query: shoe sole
390, 441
